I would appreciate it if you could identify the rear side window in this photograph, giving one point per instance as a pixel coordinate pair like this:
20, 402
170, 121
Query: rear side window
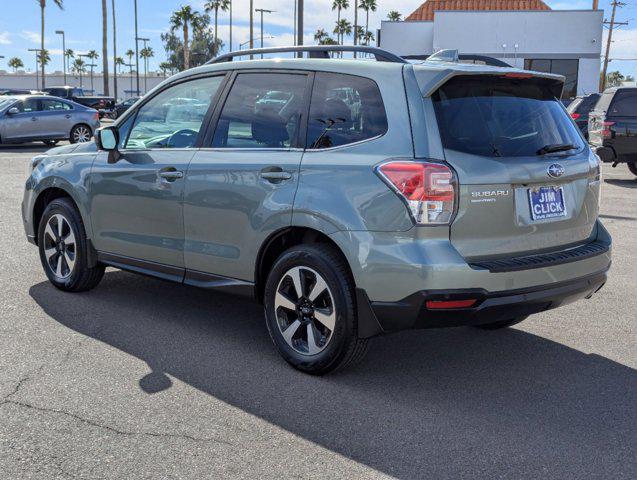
624, 104
263, 110
501, 117
55, 106
345, 109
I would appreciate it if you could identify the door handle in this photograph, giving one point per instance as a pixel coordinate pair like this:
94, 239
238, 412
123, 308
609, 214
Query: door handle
171, 175
34, 119
67, 116
275, 174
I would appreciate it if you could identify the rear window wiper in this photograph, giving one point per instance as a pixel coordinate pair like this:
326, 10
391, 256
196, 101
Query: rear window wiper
559, 147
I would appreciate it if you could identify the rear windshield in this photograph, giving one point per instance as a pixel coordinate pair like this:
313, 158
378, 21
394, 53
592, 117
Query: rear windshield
502, 117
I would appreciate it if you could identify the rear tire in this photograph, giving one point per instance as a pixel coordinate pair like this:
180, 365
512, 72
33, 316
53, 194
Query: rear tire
80, 134
325, 308
632, 166
502, 323
64, 248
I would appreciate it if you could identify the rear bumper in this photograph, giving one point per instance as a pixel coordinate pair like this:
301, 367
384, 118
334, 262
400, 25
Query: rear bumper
412, 312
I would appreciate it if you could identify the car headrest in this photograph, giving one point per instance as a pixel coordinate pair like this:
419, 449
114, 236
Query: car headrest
270, 129
337, 110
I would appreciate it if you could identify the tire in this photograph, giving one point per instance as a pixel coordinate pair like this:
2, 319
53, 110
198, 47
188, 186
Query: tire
80, 134
632, 166
335, 337
50, 143
64, 254
502, 323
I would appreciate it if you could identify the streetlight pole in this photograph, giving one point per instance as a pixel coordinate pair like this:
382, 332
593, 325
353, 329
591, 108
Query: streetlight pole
80, 55
61, 32
145, 62
136, 50
262, 11
299, 25
130, 71
37, 54
251, 26
114, 51
231, 25
92, 65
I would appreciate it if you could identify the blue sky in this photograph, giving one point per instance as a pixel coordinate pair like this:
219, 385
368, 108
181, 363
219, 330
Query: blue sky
81, 19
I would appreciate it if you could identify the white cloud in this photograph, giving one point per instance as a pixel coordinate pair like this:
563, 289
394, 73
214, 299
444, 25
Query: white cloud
30, 36
5, 38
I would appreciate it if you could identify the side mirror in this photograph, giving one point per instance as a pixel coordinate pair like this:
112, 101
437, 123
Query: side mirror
13, 111
107, 138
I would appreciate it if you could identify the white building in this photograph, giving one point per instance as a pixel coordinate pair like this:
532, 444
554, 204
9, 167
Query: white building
522, 33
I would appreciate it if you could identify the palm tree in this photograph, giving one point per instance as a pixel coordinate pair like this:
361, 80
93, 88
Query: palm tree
146, 53
164, 67
79, 68
184, 18
130, 54
118, 61
216, 5
15, 63
42, 3
359, 33
368, 6
105, 47
68, 54
44, 57
394, 16
320, 35
343, 28
368, 37
339, 5
93, 55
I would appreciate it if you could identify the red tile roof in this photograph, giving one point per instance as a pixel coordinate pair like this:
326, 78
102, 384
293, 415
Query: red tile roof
427, 9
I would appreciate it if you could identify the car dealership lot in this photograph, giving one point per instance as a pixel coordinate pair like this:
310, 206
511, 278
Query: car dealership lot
141, 378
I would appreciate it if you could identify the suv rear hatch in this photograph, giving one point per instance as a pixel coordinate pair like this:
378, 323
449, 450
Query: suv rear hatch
527, 181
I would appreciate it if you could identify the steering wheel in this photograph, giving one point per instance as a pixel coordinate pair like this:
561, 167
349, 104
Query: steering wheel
182, 139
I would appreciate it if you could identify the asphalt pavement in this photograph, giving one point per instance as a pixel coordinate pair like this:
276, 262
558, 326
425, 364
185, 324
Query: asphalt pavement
144, 379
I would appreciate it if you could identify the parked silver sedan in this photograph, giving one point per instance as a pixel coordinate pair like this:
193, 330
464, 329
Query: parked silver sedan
28, 118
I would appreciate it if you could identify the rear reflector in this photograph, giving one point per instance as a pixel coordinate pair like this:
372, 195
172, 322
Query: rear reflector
518, 75
449, 304
428, 189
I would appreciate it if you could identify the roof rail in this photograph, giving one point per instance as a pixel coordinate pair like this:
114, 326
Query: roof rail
315, 51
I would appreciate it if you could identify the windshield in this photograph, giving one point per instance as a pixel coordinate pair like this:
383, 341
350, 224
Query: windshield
502, 117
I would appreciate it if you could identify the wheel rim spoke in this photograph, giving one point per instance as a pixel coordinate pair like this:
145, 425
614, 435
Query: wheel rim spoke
49, 252
289, 332
319, 287
312, 347
48, 231
58, 268
69, 239
326, 319
283, 301
295, 275
60, 225
70, 262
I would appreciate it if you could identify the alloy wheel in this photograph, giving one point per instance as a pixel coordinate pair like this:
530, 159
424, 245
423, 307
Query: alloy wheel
81, 134
60, 247
305, 310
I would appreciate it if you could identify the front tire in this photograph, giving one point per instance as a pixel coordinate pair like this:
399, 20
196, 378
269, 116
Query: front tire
310, 310
80, 134
632, 166
64, 248
50, 143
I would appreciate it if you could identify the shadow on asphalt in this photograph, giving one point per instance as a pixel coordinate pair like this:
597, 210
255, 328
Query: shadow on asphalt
451, 403
622, 182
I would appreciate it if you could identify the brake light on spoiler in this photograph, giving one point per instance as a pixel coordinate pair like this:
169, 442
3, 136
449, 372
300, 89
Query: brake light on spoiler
428, 189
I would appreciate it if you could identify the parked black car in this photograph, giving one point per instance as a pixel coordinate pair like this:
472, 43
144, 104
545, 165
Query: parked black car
121, 107
612, 127
104, 105
579, 109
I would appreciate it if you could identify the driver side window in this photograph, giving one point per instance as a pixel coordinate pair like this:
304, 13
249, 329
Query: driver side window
173, 118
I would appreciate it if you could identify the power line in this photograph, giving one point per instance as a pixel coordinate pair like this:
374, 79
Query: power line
611, 25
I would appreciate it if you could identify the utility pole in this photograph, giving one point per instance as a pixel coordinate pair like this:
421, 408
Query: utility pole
230, 26
595, 4
299, 25
251, 26
114, 52
611, 25
61, 32
262, 11
37, 55
136, 51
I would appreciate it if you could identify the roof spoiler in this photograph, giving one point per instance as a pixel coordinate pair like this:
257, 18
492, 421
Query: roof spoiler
444, 56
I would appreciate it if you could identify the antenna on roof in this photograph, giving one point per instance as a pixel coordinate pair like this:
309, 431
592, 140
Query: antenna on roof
444, 56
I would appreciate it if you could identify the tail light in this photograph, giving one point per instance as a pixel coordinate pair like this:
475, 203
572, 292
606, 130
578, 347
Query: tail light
450, 304
96, 116
575, 116
427, 188
606, 131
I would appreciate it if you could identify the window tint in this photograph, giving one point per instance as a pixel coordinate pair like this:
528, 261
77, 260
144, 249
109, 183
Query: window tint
173, 118
345, 109
625, 103
262, 111
57, 92
54, 105
569, 68
502, 117
29, 105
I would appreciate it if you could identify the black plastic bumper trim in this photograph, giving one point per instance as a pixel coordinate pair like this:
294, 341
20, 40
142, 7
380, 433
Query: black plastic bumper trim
411, 312
515, 264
